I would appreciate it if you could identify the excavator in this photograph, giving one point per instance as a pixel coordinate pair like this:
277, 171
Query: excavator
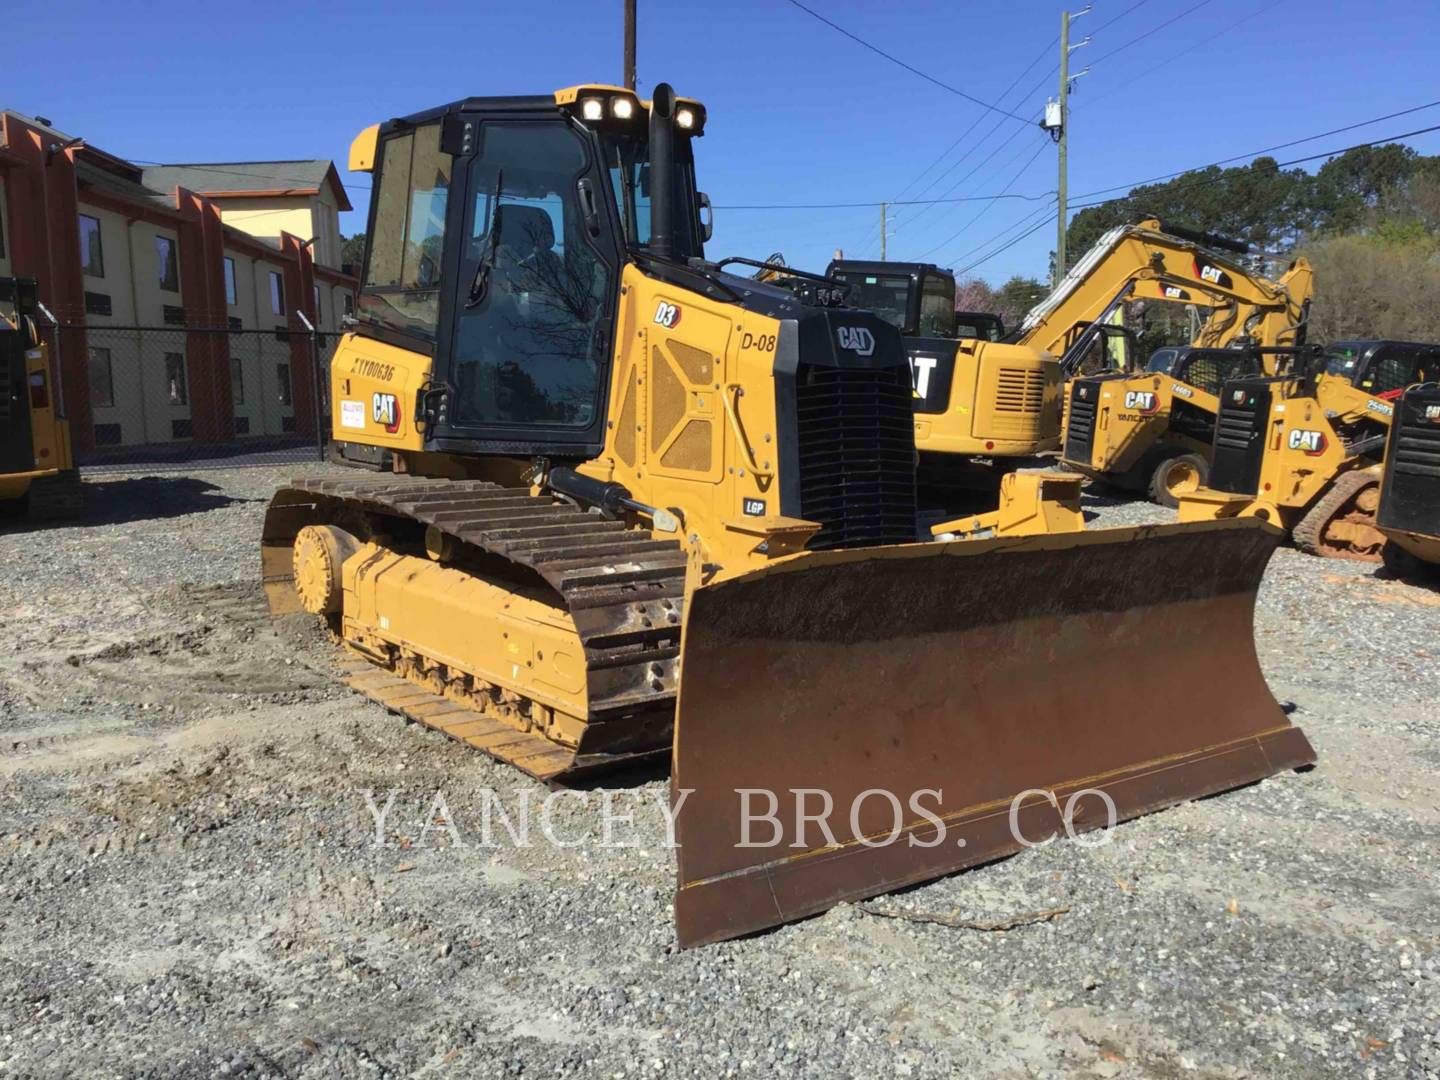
982, 406
1409, 512
1304, 449
37, 469
643, 506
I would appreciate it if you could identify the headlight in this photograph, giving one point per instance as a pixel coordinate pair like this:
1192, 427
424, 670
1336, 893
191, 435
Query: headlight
685, 118
622, 107
592, 108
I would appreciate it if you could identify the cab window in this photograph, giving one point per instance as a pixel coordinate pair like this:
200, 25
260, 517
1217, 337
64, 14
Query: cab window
937, 307
1396, 367
528, 347
887, 295
401, 290
1209, 370
1162, 361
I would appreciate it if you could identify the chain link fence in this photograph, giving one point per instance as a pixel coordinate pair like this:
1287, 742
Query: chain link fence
184, 397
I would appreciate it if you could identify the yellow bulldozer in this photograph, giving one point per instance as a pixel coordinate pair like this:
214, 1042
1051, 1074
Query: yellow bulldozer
642, 506
37, 469
1304, 449
1409, 512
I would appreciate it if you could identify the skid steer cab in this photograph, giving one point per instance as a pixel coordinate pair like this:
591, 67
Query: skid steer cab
37, 468
1409, 514
1152, 430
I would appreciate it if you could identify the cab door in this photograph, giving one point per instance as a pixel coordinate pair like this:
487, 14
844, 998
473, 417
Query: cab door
17, 451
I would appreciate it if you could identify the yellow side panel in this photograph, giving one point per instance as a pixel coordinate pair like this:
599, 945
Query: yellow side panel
373, 386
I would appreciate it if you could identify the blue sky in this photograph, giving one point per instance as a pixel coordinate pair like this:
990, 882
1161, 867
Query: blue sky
798, 113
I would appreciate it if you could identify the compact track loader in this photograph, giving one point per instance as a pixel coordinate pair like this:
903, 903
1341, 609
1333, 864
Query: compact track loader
1409, 513
1304, 449
37, 469
644, 506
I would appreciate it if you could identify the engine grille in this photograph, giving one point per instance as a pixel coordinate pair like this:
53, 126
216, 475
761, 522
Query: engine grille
1019, 403
856, 442
1080, 421
1240, 437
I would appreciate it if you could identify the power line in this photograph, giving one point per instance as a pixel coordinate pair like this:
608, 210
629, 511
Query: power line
908, 67
1038, 215
1155, 30
1282, 146
1030, 161
1041, 224
1171, 57
878, 202
1128, 11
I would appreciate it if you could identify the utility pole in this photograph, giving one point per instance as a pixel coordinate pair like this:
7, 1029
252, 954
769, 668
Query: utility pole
629, 44
1057, 122
884, 228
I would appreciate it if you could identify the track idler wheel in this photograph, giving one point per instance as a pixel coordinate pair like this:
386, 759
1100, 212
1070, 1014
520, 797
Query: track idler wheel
320, 552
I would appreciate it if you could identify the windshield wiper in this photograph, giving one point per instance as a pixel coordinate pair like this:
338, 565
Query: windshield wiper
480, 287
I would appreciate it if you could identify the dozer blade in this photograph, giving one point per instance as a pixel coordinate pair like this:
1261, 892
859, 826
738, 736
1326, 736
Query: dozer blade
971, 680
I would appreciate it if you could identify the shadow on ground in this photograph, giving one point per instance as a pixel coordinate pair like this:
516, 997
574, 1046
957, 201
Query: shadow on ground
115, 502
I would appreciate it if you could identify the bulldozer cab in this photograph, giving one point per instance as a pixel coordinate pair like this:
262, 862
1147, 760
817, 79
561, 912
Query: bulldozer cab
497, 236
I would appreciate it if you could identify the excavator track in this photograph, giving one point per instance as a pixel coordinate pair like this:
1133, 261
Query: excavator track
623, 589
1341, 524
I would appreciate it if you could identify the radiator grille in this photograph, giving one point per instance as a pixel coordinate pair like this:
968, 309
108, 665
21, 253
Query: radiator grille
1410, 492
1080, 421
1240, 438
856, 440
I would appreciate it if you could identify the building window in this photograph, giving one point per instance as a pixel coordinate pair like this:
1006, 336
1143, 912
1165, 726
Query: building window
102, 379
165, 269
282, 376
230, 294
237, 380
349, 304
92, 254
175, 378
277, 294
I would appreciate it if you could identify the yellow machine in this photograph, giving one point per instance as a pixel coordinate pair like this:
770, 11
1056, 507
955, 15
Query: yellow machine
1303, 449
37, 469
643, 506
1168, 264
1409, 513
976, 399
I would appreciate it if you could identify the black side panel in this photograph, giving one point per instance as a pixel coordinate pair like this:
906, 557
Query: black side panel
17, 451
1410, 496
1240, 436
1080, 425
932, 370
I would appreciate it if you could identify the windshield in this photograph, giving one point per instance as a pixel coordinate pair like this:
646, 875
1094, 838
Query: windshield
887, 295
937, 307
1341, 362
627, 159
978, 325
1162, 361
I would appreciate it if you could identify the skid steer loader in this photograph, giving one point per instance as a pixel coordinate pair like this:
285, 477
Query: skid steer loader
37, 470
644, 506
1409, 513
1304, 449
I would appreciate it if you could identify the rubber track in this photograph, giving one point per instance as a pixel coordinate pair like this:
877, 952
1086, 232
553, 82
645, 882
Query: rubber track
1309, 529
624, 589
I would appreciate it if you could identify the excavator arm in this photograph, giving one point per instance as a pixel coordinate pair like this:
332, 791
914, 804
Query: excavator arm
1149, 262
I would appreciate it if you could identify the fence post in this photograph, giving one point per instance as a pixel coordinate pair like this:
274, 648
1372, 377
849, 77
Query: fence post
317, 384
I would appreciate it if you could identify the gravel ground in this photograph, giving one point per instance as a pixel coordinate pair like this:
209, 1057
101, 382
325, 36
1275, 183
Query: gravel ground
189, 884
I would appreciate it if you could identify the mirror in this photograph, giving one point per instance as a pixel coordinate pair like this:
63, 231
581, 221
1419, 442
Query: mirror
707, 217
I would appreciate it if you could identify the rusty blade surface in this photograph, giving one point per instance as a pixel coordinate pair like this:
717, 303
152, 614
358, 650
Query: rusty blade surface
1121, 660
